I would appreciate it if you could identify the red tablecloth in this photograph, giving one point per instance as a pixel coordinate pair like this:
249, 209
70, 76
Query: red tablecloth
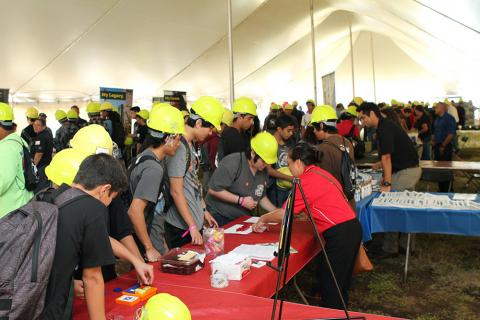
260, 282
212, 304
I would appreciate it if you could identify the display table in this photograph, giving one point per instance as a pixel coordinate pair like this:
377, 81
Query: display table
211, 304
468, 139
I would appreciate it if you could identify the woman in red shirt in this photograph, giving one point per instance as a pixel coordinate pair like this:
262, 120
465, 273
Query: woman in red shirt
334, 219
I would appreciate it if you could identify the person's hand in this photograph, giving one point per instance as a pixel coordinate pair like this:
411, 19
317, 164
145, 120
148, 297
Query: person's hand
249, 203
144, 272
442, 149
210, 220
260, 226
152, 255
197, 238
78, 289
385, 188
377, 165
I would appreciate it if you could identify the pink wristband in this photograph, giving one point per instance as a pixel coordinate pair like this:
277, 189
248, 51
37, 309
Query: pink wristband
241, 201
192, 227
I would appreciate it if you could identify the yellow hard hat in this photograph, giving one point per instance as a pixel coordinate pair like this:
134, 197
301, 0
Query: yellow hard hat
295, 103
32, 113
358, 101
393, 102
60, 115
416, 103
166, 119
64, 166
244, 105
285, 184
265, 145
160, 105
93, 108
274, 106
352, 110
106, 106
227, 117
115, 109
6, 113
209, 109
165, 306
287, 106
144, 114
71, 114
128, 141
92, 139
310, 101
323, 113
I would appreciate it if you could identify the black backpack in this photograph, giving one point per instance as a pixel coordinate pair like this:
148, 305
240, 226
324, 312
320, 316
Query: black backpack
358, 145
30, 172
348, 170
118, 135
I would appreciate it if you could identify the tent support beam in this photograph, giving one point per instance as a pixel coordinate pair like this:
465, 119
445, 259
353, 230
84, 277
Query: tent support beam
314, 63
230, 53
373, 68
351, 59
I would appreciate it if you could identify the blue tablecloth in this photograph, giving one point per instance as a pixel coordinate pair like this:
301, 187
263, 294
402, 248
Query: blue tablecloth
389, 219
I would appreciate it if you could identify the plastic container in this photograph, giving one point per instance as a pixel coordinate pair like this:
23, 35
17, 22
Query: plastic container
219, 280
214, 241
182, 261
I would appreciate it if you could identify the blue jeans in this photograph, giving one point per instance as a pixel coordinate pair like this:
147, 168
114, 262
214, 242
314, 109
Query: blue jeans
427, 150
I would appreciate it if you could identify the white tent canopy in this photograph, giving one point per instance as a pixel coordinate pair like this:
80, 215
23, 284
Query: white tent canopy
62, 51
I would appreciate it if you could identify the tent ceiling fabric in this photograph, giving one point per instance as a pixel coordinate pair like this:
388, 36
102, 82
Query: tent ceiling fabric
151, 45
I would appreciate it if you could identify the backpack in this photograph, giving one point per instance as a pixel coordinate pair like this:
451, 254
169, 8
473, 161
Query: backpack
27, 248
118, 135
30, 172
348, 170
358, 145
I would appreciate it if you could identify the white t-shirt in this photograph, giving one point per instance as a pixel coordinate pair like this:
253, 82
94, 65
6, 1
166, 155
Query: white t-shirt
306, 119
454, 113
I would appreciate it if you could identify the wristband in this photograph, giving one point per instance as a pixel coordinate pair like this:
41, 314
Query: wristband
238, 200
241, 202
191, 228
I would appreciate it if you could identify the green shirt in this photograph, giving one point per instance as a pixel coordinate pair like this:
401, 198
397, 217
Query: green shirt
13, 194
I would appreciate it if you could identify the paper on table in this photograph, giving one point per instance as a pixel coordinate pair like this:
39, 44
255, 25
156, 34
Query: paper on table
252, 220
464, 196
257, 251
233, 230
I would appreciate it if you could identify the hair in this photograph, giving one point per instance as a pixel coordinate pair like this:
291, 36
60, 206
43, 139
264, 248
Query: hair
324, 127
136, 109
191, 121
43, 121
152, 142
345, 116
75, 107
248, 154
392, 115
101, 169
306, 153
420, 109
309, 136
283, 121
8, 128
115, 117
368, 107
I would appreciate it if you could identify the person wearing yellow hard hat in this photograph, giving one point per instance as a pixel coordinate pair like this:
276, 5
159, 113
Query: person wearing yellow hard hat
288, 110
334, 219
347, 124
67, 129
79, 121
164, 306
64, 166
28, 134
147, 177
187, 215
357, 101
41, 150
235, 138
142, 129
113, 124
240, 182
269, 121
306, 117
297, 112
93, 112
332, 145
276, 191
13, 187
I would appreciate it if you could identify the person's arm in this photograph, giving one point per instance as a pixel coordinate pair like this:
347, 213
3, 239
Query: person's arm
129, 243
387, 171
136, 214
227, 196
38, 156
8, 166
275, 216
447, 140
424, 128
266, 204
278, 175
144, 271
176, 191
94, 292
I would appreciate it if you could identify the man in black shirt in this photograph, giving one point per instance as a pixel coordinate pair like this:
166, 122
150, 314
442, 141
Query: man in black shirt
79, 122
142, 129
82, 237
41, 150
399, 160
234, 139
28, 134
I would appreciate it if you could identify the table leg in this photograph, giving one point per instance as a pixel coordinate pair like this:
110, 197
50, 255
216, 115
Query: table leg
300, 293
407, 256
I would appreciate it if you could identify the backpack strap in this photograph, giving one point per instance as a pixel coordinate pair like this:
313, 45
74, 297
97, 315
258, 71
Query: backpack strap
68, 196
187, 153
331, 182
351, 133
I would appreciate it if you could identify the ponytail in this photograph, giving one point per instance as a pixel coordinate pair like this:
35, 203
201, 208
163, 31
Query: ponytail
306, 153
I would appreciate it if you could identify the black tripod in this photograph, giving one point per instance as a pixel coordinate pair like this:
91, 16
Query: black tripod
283, 253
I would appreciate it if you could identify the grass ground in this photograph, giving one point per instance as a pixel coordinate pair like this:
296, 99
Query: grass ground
443, 280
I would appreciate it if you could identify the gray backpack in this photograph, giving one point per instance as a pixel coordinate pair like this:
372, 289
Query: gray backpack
27, 247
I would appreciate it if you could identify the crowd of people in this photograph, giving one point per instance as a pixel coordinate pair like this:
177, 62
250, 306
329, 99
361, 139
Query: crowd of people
205, 167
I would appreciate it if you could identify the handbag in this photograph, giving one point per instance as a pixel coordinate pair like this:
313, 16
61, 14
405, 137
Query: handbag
362, 262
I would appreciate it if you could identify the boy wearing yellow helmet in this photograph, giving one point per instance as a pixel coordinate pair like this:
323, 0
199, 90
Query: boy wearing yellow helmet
79, 122
186, 217
240, 181
28, 134
13, 193
141, 118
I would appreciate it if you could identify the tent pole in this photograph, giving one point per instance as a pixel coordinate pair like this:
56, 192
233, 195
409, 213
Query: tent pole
373, 68
351, 59
312, 33
230, 53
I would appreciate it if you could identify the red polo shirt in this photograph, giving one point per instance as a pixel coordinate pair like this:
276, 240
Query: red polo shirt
345, 126
326, 202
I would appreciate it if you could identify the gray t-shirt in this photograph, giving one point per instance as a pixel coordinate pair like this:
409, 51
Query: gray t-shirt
145, 179
240, 182
191, 187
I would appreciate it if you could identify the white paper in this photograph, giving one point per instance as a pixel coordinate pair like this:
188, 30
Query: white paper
421, 200
233, 230
257, 251
252, 220
464, 196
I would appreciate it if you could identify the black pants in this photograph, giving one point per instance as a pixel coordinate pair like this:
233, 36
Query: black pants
341, 245
173, 236
447, 154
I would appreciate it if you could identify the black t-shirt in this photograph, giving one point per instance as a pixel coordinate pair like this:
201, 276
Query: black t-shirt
395, 141
419, 124
233, 141
43, 143
82, 241
29, 135
142, 133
